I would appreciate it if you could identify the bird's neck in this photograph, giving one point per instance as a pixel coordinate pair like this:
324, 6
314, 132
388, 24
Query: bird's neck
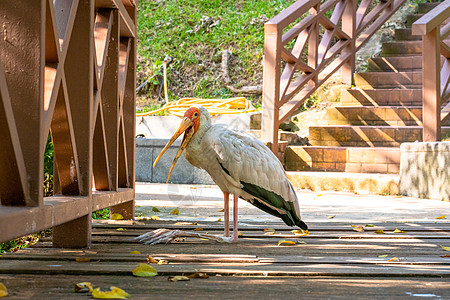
201, 130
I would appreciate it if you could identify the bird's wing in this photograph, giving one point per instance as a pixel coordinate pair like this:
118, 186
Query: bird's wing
251, 163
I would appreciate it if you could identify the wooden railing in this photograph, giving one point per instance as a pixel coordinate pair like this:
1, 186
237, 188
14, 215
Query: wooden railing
435, 84
67, 67
307, 43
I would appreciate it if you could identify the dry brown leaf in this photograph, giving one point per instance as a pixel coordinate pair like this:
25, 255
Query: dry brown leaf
269, 233
151, 260
269, 229
116, 217
441, 217
198, 229
393, 259
399, 231
219, 220
114, 293
221, 210
82, 259
379, 231
3, 290
185, 223
331, 217
154, 218
144, 270
240, 233
199, 275
300, 232
358, 228
175, 212
446, 255
83, 287
178, 278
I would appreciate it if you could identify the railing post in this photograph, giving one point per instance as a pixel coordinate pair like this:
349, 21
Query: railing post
349, 27
313, 45
271, 85
431, 93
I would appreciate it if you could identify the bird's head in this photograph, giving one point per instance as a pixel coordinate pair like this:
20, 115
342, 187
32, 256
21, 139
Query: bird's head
189, 126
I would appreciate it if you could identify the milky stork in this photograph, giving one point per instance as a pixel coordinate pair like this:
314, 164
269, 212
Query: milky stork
239, 164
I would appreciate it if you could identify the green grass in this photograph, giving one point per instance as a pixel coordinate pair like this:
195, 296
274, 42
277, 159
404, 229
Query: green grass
195, 33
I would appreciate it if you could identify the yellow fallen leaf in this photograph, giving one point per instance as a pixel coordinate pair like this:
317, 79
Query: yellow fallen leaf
116, 217
384, 255
358, 228
379, 231
114, 293
219, 220
441, 217
394, 259
269, 233
3, 290
83, 287
135, 252
154, 218
199, 275
144, 270
178, 278
319, 195
155, 209
369, 225
240, 233
399, 231
175, 212
445, 248
286, 243
120, 229
198, 229
162, 262
300, 232
82, 259
221, 210
331, 217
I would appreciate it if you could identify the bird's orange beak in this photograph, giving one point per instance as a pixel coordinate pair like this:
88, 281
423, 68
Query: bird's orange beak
186, 126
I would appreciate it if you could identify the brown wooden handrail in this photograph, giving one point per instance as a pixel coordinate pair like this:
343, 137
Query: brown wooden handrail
435, 84
298, 58
67, 68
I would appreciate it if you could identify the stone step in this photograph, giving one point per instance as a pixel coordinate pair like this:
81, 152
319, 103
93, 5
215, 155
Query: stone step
360, 183
375, 115
401, 48
381, 97
423, 8
405, 34
366, 136
343, 159
388, 80
395, 64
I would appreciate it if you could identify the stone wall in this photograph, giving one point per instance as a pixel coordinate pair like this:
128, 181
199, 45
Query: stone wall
425, 170
146, 152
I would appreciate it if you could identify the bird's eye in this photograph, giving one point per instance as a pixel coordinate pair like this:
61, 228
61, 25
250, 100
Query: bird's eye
195, 114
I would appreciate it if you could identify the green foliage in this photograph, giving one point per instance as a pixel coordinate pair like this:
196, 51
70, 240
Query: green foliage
102, 214
48, 167
23, 242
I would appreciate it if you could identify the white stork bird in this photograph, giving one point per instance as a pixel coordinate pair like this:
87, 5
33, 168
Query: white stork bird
239, 164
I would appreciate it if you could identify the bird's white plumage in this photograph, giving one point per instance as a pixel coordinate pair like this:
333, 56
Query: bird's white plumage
216, 148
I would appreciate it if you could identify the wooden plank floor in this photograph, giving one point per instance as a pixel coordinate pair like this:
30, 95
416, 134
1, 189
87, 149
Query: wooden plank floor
332, 262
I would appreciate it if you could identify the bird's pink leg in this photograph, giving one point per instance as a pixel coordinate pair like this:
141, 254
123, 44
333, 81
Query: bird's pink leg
234, 239
226, 211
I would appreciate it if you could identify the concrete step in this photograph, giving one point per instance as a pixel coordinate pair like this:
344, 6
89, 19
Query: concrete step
343, 159
375, 115
401, 48
366, 136
405, 34
423, 8
388, 80
381, 97
360, 183
395, 64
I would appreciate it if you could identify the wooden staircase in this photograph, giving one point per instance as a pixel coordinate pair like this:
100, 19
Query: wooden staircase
383, 110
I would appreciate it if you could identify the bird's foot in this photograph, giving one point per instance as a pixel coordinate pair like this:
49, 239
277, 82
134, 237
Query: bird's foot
160, 236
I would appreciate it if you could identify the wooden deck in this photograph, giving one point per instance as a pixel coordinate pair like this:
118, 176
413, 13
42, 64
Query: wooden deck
333, 262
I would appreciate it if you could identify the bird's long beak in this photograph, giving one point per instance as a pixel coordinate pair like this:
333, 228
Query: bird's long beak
185, 126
